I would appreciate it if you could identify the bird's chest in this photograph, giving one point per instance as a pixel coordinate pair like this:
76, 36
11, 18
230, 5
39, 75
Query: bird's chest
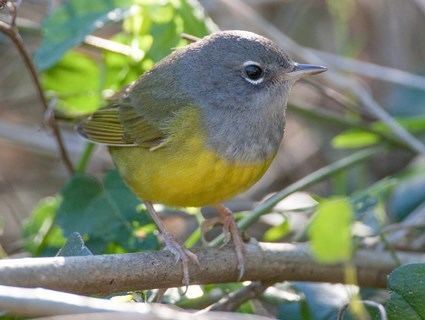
243, 137
186, 172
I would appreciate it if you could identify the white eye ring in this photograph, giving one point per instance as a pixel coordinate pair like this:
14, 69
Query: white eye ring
246, 77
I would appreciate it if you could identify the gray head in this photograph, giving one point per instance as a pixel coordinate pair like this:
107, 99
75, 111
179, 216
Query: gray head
239, 69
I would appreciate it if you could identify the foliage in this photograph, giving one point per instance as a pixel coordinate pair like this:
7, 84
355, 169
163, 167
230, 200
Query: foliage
68, 25
407, 293
151, 30
330, 231
357, 138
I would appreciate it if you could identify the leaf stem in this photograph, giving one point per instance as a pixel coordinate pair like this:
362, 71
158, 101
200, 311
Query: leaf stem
85, 157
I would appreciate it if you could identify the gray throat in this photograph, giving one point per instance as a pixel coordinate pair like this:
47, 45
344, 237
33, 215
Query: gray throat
244, 134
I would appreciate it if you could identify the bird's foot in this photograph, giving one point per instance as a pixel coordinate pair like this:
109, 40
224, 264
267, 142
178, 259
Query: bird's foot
181, 254
230, 232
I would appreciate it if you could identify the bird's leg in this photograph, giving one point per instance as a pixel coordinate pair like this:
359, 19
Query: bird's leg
172, 245
231, 231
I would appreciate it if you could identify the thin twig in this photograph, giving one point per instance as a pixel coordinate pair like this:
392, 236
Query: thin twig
416, 218
12, 33
150, 270
332, 94
189, 37
372, 70
234, 300
85, 157
113, 46
373, 304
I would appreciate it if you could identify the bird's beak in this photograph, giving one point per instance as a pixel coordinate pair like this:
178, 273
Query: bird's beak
301, 70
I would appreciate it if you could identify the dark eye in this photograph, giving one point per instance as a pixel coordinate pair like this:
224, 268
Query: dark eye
253, 72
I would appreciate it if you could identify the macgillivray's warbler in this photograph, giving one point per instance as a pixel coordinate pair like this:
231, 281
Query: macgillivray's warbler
201, 126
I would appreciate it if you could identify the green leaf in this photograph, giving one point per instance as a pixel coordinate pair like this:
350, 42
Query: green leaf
40, 231
407, 285
413, 124
70, 23
277, 232
357, 138
330, 231
75, 82
166, 36
74, 246
195, 20
104, 213
354, 139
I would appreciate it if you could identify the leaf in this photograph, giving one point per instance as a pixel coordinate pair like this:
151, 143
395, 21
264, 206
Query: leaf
105, 213
319, 301
330, 231
120, 70
277, 232
407, 196
74, 246
407, 296
40, 231
70, 23
165, 38
354, 139
75, 82
195, 20
357, 138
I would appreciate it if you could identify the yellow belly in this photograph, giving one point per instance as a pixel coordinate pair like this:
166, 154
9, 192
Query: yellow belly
185, 172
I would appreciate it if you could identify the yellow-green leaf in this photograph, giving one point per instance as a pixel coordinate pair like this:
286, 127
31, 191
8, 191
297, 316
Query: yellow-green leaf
330, 231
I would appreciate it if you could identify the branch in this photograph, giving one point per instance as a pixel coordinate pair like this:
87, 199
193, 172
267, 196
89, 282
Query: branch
244, 14
371, 70
235, 299
398, 234
12, 33
42, 302
266, 262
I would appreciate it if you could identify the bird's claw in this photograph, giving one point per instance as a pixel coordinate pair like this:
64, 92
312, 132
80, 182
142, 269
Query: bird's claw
181, 254
230, 231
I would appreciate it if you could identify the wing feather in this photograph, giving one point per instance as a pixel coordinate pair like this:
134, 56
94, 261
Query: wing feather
121, 126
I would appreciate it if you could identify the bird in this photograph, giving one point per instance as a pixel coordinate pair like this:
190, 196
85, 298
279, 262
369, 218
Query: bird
200, 127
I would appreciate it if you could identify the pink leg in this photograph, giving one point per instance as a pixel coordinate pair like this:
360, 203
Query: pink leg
230, 228
172, 245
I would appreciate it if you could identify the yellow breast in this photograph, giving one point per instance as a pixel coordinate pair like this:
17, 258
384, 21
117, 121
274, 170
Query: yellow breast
184, 172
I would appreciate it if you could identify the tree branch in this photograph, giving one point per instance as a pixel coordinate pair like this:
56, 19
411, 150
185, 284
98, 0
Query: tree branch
234, 300
42, 302
147, 270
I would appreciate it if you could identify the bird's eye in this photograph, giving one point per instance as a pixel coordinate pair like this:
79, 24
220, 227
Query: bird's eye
253, 72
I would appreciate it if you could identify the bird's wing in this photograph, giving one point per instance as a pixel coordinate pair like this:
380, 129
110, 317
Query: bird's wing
121, 126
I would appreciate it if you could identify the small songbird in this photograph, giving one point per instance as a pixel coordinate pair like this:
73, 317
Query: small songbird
201, 126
